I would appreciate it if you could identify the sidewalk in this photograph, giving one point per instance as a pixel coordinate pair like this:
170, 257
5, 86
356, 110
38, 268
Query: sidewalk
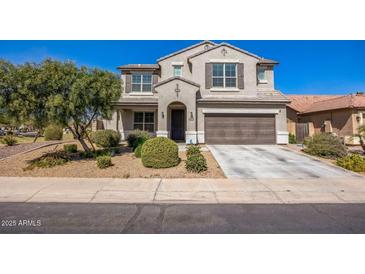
204, 191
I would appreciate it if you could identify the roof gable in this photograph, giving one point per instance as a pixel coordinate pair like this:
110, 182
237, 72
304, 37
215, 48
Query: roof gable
260, 59
186, 49
177, 78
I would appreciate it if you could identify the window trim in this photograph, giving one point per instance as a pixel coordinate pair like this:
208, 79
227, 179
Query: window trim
141, 82
177, 66
144, 120
224, 77
262, 81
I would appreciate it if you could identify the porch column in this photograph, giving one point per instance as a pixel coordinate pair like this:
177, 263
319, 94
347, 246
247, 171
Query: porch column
191, 117
162, 121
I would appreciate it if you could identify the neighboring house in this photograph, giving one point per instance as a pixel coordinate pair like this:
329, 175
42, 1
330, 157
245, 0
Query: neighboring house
338, 114
207, 93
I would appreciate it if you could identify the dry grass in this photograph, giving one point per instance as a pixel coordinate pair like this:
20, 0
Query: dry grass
125, 165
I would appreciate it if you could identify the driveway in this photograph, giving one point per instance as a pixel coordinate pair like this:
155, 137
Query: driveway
271, 161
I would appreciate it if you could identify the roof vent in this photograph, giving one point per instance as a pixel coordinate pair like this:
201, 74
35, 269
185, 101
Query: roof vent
206, 47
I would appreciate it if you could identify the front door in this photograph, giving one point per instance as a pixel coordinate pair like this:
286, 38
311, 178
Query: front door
177, 125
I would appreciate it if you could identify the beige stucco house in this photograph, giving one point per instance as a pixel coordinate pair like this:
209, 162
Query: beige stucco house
206, 93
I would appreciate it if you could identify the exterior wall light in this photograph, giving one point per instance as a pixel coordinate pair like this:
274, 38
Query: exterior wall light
191, 116
162, 115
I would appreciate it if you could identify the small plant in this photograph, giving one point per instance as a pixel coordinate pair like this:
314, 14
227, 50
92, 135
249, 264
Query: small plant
196, 163
103, 161
137, 151
192, 150
53, 133
137, 137
106, 138
292, 138
48, 160
352, 162
71, 148
160, 152
9, 140
325, 145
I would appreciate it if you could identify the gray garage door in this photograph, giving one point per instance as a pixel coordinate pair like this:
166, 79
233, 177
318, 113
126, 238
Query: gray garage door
239, 129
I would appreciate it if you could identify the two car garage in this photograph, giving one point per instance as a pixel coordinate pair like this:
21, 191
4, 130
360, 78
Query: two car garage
240, 129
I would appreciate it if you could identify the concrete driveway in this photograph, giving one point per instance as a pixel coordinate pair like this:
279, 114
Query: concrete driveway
271, 161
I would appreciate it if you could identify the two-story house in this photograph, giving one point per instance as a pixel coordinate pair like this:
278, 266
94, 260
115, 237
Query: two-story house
206, 93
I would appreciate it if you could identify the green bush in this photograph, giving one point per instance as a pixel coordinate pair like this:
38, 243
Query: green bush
160, 152
137, 137
103, 161
71, 148
292, 138
105, 138
49, 160
97, 153
325, 145
9, 140
53, 133
196, 163
192, 150
137, 151
352, 162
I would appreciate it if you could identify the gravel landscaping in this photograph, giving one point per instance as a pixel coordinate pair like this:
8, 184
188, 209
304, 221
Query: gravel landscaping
6, 151
125, 165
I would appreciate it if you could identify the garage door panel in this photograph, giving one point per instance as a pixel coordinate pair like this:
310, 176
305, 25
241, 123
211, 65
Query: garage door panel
240, 129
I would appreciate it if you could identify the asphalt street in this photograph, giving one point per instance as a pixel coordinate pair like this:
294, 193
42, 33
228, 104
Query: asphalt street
181, 218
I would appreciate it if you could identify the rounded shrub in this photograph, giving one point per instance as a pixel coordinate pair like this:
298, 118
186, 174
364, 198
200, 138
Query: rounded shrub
138, 150
71, 148
106, 138
352, 162
103, 161
160, 152
196, 163
53, 133
137, 137
325, 145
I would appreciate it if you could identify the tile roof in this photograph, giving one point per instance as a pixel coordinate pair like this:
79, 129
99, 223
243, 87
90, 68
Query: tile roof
185, 49
139, 66
316, 103
224, 44
176, 78
303, 102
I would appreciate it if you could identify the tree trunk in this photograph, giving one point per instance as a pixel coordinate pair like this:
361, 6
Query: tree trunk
362, 143
79, 138
36, 137
83, 144
88, 138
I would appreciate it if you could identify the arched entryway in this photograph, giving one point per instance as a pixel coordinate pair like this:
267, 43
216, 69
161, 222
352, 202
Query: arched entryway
177, 121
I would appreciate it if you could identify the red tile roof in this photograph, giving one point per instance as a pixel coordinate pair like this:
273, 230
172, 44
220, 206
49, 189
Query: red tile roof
315, 103
302, 102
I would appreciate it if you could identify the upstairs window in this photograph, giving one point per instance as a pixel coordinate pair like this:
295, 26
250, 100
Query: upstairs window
141, 82
261, 75
178, 71
224, 75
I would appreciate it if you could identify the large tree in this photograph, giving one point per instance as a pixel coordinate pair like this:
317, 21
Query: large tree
80, 95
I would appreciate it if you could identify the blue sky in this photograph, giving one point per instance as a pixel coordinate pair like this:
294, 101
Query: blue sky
306, 67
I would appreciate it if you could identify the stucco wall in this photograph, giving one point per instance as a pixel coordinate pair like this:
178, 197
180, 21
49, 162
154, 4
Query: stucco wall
167, 64
292, 119
250, 72
341, 121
